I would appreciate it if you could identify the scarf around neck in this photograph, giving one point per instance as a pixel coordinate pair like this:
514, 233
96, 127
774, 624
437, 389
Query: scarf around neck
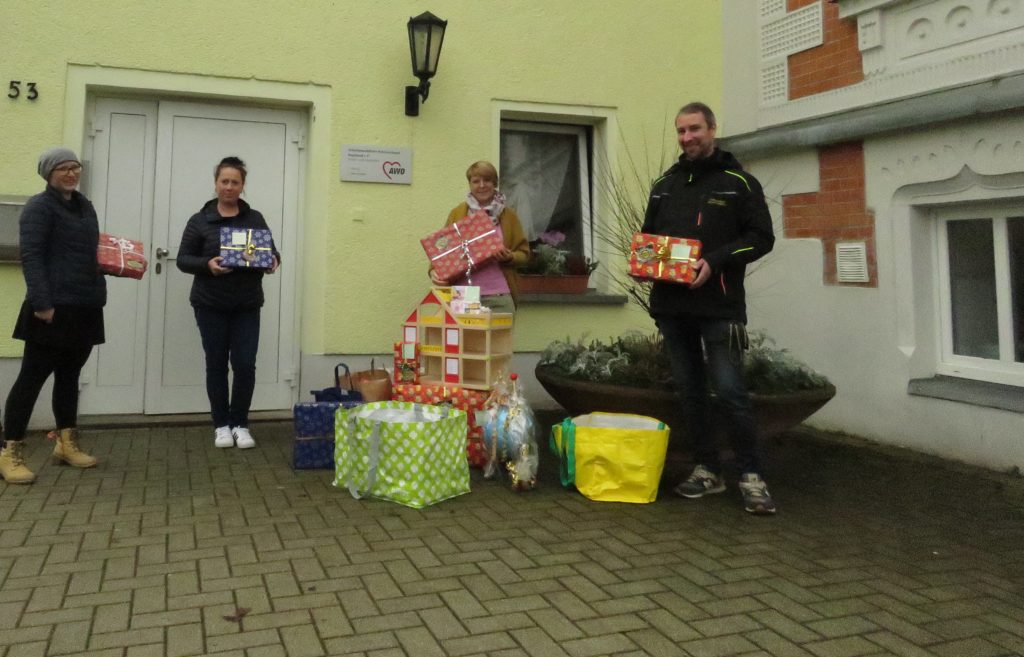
493, 209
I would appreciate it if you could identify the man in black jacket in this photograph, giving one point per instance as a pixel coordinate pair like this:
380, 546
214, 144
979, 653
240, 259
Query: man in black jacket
707, 196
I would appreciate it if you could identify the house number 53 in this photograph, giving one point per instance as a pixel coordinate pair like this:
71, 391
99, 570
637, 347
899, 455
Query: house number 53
14, 90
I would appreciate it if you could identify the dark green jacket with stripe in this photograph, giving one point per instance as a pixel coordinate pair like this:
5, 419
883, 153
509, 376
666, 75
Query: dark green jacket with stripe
712, 200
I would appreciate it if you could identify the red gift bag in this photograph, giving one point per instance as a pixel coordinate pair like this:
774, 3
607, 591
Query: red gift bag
121, 257
464, 246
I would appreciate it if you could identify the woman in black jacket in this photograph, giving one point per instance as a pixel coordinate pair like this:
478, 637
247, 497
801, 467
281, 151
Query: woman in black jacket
62, 316
226, 302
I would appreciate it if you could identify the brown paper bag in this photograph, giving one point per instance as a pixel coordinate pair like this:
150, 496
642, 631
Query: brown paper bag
374, 384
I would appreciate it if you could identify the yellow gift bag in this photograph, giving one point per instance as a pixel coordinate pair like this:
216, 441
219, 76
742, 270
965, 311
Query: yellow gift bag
611, 457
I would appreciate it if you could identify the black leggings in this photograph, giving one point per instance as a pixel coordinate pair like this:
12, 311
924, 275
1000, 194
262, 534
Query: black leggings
37, 363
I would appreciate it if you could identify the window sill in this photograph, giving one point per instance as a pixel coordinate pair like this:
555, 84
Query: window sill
589, 298
10, 253
969, 391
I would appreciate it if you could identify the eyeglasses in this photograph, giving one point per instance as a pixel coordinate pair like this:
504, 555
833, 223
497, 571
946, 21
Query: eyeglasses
70, 168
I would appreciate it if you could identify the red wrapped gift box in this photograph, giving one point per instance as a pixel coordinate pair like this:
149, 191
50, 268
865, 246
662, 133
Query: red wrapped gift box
407, 362
458, 249
120, 257
663, 258
460, 398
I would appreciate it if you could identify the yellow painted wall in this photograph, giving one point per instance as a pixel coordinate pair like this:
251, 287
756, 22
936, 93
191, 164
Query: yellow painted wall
632, 62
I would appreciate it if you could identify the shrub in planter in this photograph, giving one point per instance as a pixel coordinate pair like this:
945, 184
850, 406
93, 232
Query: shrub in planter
638, 360
631, 374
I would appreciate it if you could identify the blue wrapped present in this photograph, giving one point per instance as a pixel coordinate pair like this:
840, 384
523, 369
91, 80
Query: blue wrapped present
246, 247
314, 434
314, 419
313, 454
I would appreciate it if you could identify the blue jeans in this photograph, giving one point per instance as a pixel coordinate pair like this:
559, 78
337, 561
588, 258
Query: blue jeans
229, 337
720, 364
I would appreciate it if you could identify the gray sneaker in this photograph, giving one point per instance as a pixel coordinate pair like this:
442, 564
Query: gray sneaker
756, 498
701, 482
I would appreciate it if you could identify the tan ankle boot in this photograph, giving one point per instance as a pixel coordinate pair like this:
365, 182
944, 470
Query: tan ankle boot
66, 450
12, 464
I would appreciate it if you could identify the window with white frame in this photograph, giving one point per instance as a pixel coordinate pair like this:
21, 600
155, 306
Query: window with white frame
545, 176
981, 283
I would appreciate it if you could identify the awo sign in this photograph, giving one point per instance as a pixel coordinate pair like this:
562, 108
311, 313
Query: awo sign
378, 164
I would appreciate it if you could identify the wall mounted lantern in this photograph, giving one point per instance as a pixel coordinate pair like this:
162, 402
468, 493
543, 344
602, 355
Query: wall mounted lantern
426, 34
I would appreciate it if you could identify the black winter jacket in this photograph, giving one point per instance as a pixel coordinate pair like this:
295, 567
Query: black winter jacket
712, 200
57, 241
242, 289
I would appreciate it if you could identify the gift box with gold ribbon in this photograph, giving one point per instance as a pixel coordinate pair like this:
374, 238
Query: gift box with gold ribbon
243, 248
463, 247
663, 258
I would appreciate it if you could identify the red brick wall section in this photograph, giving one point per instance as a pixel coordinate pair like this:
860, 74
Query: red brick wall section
835, 63
837, 212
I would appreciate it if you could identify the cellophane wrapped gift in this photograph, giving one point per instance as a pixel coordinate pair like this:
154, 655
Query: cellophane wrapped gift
246, 248
314, 434
412, 454
121, 257
463, 399
509, 435
458, 249
663, 258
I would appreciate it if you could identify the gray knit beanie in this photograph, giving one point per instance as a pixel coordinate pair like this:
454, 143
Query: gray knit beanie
52, 158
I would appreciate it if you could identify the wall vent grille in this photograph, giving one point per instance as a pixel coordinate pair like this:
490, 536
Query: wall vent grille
793, 32
851, 262
775, 83
771, 9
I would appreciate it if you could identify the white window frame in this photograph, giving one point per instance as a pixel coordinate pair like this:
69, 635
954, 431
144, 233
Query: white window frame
1004, 370
586, 189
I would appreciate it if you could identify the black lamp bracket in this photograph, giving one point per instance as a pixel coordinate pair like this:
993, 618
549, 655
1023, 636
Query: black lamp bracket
414, 95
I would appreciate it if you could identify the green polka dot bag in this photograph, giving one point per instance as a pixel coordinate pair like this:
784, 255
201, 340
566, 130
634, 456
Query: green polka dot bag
412, 454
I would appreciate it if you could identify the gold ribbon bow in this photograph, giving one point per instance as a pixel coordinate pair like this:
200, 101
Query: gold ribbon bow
663, 254
249, 250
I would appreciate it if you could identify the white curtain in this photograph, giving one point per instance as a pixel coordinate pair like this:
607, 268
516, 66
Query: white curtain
534, 166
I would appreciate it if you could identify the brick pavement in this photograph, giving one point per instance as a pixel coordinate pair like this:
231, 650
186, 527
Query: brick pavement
874, 552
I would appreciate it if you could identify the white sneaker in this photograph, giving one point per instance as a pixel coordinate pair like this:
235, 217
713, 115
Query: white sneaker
243, 439
222, 437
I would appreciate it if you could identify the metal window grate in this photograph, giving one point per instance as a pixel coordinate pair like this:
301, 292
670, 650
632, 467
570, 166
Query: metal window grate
851, 262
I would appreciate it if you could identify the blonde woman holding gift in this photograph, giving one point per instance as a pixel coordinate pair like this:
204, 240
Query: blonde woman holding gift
226, 302
498, 281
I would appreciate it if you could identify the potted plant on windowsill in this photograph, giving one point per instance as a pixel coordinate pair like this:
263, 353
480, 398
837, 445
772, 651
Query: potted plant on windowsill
552, 270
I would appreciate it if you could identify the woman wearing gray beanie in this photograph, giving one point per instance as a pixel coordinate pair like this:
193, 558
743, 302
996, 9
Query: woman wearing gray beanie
62, 316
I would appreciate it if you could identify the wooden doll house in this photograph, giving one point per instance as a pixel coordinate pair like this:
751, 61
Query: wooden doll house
467, 350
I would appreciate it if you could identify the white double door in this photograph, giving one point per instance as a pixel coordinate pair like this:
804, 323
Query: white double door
150, 167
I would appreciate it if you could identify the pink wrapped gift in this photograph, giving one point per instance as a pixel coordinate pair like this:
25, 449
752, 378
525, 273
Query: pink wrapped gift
120, 257
464, 246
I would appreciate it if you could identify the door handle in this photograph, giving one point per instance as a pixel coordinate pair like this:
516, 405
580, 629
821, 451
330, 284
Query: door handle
162, 253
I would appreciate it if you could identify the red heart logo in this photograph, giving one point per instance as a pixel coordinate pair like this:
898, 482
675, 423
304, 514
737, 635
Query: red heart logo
384, 167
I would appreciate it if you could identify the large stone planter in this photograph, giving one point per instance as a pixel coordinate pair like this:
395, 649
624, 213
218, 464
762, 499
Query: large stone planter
772, 413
